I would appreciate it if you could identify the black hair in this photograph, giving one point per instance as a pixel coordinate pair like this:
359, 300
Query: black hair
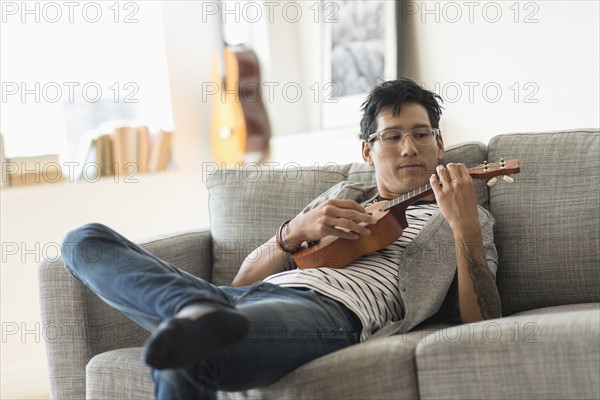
393, 94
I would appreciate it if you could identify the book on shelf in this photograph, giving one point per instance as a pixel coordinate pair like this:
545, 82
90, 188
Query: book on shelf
34, 170
161, 151
143, 148
17, 171
124, 146
104, 155
125, 151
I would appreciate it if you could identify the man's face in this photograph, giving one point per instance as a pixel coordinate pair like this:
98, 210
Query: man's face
405, 166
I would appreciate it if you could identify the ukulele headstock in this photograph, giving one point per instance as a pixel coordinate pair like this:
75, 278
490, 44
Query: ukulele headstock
491, 170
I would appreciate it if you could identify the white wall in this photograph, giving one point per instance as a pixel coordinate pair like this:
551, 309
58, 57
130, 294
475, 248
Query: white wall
191, 42
553, 58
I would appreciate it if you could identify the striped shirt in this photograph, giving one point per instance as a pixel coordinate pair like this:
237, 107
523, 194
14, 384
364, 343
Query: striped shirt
369, 285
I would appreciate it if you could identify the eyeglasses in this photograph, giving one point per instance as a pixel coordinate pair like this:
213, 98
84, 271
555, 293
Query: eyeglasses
391, 137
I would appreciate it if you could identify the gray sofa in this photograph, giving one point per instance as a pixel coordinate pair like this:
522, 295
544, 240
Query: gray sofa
546, 346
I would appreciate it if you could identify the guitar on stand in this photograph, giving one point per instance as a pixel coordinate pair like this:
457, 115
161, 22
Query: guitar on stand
240, 128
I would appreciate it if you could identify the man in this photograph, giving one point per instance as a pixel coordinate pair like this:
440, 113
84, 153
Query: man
275, 317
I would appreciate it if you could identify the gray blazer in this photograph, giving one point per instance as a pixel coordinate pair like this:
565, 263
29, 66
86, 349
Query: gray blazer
427, 265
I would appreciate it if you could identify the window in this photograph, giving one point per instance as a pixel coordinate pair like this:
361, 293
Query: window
69, 67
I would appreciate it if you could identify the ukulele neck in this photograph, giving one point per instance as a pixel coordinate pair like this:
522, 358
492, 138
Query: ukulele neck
410, 197
485, 171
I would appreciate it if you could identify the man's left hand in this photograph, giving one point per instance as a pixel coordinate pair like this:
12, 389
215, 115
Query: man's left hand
456, 197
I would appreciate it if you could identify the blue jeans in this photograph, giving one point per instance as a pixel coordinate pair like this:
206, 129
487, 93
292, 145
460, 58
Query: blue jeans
288, 326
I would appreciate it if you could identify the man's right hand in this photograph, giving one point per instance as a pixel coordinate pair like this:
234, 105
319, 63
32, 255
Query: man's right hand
269, 259
323, 220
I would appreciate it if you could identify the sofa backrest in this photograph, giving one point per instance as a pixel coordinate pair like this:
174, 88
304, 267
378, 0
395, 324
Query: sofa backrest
247, 205
548, 222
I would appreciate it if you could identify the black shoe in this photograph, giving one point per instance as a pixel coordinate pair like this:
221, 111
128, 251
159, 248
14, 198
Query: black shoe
179, 342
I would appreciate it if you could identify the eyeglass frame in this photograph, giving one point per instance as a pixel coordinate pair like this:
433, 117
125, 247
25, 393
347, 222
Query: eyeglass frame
436, 132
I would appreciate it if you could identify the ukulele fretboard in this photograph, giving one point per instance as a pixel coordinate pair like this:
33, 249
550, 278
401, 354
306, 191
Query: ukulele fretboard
422, 190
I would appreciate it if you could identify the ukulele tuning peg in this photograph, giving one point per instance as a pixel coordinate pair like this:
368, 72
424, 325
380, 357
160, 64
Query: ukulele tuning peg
492, 181
508, 179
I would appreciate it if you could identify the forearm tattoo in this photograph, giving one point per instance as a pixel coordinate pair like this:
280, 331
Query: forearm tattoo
486, 291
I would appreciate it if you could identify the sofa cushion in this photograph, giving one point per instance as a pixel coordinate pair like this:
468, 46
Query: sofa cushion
545, 354
382, 368
378, 369
247, 205
548, 222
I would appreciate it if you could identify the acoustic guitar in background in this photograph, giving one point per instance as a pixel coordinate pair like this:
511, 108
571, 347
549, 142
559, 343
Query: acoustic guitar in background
240, 128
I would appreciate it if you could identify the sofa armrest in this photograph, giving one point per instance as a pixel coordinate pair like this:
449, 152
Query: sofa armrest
78, 325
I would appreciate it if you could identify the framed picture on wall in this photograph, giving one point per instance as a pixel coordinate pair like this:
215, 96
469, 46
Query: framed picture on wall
360, 52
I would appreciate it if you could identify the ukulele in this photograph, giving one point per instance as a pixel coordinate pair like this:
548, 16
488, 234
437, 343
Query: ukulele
240, 128
335, 252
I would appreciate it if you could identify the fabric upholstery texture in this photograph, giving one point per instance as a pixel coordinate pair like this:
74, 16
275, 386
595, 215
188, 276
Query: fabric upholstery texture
112, 373
550, 353
547, 232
